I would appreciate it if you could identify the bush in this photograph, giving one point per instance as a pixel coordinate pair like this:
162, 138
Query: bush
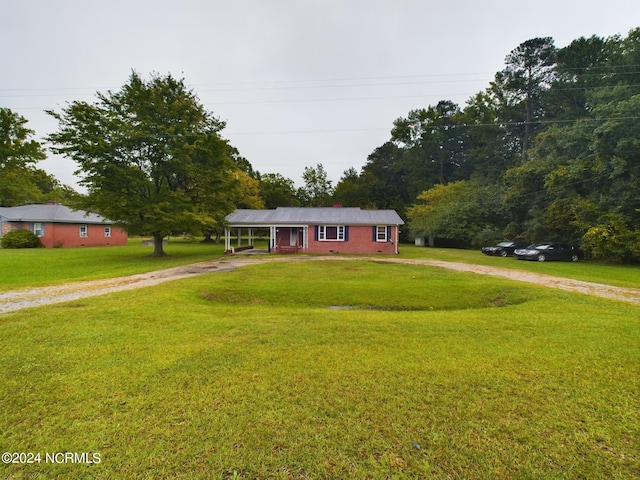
611, 240
20, 239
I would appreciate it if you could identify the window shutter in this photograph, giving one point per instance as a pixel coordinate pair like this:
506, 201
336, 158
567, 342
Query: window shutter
389, 239
315, 229
346, 233
375, 234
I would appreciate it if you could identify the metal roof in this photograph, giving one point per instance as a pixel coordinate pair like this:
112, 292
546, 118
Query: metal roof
54, 213
314, 216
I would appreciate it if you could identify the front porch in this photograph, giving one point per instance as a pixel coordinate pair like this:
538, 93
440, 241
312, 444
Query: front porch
287, 239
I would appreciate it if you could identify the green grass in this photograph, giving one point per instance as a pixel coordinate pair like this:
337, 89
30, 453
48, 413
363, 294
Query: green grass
39, 266
617, 275
252, 373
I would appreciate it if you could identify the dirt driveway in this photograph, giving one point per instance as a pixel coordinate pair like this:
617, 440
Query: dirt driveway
34, 297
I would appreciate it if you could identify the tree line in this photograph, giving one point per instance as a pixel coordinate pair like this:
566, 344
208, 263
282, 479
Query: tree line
550, 150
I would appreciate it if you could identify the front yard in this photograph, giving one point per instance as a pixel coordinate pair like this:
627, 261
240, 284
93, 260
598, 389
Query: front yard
254, 374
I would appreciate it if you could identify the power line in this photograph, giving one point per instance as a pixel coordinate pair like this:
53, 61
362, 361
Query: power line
378, 81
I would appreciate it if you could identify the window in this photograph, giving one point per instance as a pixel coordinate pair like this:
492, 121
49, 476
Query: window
107, 230
83, 231
38, 230
381, 233
329, 232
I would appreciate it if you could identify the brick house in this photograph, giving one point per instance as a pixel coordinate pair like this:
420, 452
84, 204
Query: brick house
319, 230
60, 226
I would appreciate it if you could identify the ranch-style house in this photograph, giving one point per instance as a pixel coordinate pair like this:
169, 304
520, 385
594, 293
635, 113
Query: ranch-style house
318, 230
59, 226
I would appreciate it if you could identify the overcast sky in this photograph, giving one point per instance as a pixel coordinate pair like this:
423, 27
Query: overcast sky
299, 82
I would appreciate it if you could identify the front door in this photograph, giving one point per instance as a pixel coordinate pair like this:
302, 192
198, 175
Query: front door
293, 237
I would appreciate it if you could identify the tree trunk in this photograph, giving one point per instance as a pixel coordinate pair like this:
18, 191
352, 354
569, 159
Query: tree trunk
158, 250
527, 120
207, 238
527, 134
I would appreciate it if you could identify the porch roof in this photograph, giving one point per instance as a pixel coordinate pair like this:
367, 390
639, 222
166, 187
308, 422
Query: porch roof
284, 216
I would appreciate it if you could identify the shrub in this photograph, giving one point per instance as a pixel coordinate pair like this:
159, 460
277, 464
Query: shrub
20, 239
611, 240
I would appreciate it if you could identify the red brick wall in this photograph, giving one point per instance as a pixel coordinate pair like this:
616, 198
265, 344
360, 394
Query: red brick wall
68, 235
360, 241
6, 228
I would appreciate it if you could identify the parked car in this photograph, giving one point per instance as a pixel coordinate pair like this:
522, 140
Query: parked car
504, 249
549, 251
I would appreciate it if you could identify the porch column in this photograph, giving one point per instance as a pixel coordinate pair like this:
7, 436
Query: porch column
239, 236
250, 236
227, 239
305, 239
397, 238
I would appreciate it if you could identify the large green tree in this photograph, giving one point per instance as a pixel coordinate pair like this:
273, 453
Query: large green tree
150, 156
434, 144
317, 190
20, 180
467, 212
352, 190
277, 191
521, 85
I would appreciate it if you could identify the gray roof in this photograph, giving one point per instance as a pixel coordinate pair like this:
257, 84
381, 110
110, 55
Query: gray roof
314, 216
54, 213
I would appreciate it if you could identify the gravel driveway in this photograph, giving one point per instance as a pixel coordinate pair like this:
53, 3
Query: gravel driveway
35, 297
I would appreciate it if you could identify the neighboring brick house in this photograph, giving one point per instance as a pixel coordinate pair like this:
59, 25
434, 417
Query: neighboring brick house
320, 230
59, 226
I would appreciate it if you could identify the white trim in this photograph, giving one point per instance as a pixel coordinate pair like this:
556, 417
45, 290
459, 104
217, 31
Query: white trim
41, 229
340, 233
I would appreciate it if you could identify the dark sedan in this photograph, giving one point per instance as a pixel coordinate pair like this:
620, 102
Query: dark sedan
549, 251
504, 249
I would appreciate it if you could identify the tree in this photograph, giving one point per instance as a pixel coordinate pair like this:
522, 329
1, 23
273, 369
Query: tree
583, 66
520, 86
277, 191
464, 211
385, 179
317, 190
150, 156
239, 189
20, 181
351, 190
434, 144
486, 152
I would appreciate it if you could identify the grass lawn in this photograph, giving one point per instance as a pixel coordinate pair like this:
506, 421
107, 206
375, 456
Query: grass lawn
39, 267
36, 267
325, 370
618, 275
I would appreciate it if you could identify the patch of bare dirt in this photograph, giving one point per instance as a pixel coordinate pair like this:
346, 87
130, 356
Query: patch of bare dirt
34, 297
